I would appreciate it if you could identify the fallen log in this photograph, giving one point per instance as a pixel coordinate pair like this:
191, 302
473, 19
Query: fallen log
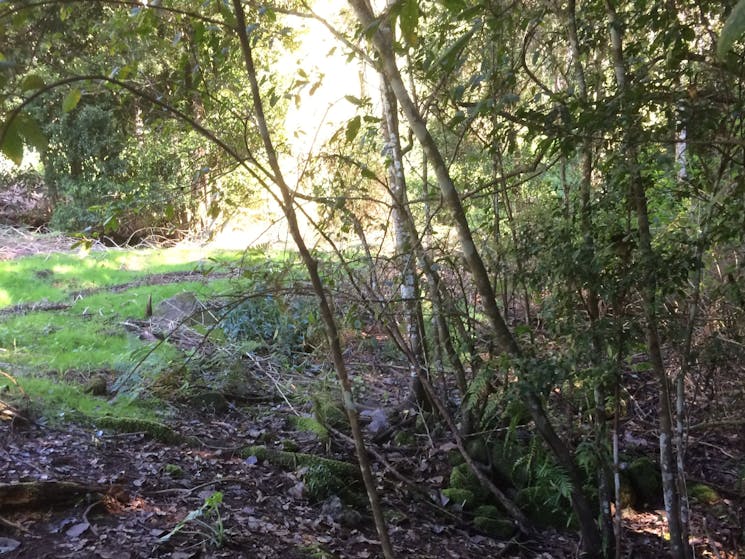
32, 494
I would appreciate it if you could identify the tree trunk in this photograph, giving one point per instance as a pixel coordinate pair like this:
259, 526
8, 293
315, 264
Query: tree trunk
668, 465
404, 245
382, 41
332, 333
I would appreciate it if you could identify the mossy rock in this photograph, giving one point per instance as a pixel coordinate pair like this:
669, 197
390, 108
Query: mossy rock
461, 477
704, 494
460, 497
501, 528
158, 431
329, 411
309, 425
646, 481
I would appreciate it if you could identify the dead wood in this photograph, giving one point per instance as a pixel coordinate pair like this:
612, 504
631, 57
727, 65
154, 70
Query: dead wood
36, 494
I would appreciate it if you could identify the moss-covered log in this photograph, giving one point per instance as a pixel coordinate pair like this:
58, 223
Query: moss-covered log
294, 460
158, 431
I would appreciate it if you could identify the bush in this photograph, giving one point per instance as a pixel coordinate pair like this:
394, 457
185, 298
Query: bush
283, 326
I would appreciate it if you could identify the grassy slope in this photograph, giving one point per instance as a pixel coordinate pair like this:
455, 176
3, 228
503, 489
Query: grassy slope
43, 348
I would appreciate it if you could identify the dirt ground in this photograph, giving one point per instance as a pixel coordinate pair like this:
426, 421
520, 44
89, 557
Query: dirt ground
140, 489
149, 487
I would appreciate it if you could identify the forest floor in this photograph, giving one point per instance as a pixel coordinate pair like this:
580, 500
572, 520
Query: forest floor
138, 497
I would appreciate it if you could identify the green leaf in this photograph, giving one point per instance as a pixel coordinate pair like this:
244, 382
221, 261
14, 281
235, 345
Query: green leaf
12, 145
454, 6
33, 81
71, 100
353, 127
30, 131
354, 100
448, 59
408, 21
732, 30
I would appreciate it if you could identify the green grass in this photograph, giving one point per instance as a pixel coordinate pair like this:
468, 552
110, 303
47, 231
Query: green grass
52, 353
90, 334
54, 402
54, 277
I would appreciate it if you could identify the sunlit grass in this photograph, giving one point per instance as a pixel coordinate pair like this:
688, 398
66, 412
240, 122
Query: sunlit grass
53, 352
53, 277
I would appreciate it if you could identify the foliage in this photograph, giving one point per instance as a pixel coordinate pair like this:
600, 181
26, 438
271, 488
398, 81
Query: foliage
272, 323
207, 519
594, 191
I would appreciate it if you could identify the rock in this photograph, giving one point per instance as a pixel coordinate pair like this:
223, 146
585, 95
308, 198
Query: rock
646, 482
461, 477
97, 386
177, 309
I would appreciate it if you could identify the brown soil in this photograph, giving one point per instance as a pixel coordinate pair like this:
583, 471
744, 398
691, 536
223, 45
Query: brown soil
144, 488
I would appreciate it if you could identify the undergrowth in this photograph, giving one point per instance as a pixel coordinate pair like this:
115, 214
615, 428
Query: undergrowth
98, 330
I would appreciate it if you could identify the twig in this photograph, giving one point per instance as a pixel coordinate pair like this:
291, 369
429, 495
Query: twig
712, 445
189, 491
10, 524
727, 422
85, 516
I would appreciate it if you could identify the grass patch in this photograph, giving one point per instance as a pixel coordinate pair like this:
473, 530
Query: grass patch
53, 277
54, 401
54, 352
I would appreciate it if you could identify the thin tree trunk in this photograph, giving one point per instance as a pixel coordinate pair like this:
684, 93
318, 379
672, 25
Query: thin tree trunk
592, 299
404, 245
382, 41
668, 465
332, 333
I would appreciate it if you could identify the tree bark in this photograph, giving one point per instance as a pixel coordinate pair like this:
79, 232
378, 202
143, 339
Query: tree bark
332, 333
383, 43
679, 547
